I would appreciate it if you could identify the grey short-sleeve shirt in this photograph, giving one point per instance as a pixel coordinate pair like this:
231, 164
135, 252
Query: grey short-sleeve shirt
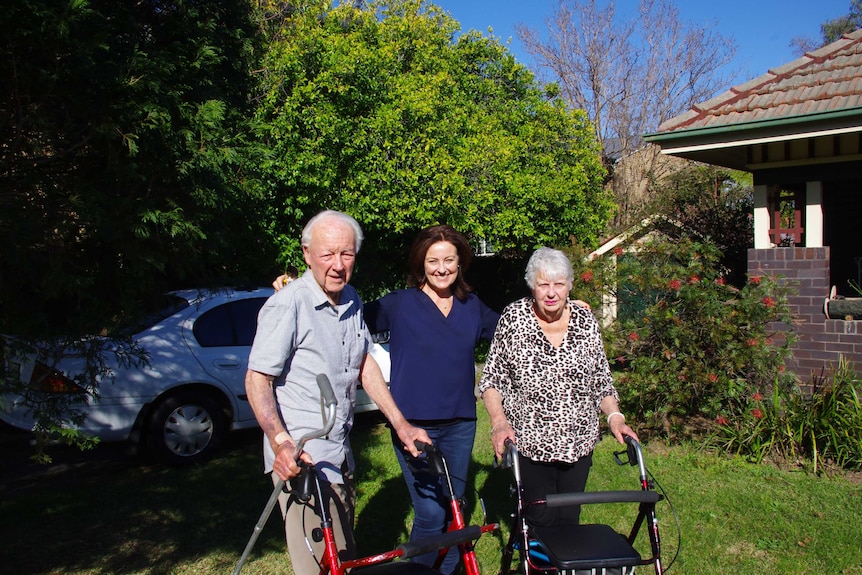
300, 334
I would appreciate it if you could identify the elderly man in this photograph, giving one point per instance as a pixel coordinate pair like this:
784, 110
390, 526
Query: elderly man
315, 325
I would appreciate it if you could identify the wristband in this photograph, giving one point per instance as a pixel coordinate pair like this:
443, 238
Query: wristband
281, 438
615, 413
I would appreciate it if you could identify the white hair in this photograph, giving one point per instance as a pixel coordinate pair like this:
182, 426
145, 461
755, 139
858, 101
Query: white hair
550, 264
337, 216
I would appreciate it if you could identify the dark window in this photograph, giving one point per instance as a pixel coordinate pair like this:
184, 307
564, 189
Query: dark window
245, 319
230, 324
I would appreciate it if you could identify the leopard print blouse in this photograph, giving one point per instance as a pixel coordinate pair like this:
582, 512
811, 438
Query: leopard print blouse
551, 395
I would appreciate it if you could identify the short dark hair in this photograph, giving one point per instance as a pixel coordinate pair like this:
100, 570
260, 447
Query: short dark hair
430, 236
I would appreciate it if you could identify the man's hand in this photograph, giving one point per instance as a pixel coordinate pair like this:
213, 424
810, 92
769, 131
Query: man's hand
285, 464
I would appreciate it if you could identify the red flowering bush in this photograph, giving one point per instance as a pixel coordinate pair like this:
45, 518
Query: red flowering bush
714, 351
686, 342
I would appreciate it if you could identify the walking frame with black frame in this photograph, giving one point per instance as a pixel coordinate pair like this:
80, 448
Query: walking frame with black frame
582, 549
308, 483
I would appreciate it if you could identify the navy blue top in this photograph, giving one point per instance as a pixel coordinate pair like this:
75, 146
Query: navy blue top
433, 368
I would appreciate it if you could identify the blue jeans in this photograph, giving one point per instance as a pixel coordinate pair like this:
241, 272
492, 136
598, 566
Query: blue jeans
428, 493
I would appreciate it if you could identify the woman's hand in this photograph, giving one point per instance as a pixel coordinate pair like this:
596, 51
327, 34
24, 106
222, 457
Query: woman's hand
618, 427
500, 433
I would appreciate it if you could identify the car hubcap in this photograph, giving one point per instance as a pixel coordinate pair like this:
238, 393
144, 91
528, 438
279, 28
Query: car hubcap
188, 430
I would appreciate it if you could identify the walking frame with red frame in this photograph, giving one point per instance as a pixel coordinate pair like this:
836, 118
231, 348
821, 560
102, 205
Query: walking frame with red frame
308, 483
436, 465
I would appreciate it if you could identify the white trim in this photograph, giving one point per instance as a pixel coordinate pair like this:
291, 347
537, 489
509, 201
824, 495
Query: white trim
763, 140
813, 214
761, 218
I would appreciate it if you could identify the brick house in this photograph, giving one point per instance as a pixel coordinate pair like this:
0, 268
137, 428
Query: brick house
798, 130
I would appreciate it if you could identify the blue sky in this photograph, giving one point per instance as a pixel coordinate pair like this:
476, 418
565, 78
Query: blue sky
761, 29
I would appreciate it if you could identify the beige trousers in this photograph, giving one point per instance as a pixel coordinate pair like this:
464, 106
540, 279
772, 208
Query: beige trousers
301, 518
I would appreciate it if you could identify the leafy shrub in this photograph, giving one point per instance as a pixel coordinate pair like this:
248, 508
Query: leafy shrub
821, 426
685, 342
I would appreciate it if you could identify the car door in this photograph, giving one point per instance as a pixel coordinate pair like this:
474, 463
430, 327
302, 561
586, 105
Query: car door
220, 338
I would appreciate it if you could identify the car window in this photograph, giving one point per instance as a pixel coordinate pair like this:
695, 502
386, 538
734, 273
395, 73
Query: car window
245, 319
230, 324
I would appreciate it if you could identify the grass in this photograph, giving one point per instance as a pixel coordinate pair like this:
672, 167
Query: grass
136, 518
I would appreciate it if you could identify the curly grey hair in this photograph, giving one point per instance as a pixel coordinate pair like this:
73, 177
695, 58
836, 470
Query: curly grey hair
550, 264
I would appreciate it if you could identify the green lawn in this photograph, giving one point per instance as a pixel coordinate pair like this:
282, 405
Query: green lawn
140, 518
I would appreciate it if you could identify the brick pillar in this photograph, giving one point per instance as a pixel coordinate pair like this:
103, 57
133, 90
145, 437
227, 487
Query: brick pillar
821, 342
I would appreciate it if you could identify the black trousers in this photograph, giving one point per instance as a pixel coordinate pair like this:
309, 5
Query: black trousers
540, 479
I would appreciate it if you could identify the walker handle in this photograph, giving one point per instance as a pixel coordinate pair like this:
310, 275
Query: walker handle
433, 457
631, 452
508, 457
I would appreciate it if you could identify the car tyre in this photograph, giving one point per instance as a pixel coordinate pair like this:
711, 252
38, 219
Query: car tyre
186, 428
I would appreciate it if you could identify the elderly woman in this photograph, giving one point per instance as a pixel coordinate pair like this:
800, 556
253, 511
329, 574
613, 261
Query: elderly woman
545, 383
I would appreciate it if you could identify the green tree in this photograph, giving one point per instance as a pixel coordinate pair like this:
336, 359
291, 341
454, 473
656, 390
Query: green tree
123, 170
716, 203
122, 158
380, 111
831, 30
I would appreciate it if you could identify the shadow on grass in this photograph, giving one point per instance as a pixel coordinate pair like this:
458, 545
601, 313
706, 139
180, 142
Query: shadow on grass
86, 516
107, 512
381, 521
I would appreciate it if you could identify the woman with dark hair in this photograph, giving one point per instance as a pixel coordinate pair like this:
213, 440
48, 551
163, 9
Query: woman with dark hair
434, 326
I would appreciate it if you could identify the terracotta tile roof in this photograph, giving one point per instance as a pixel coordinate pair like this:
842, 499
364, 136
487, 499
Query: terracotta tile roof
825, 80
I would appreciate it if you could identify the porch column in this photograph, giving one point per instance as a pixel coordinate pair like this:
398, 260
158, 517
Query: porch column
813, 214
761, 219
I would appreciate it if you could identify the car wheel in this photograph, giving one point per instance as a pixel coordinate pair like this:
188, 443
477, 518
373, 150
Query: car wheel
186, 428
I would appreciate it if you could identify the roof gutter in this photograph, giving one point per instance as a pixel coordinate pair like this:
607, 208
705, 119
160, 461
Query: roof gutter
744, 127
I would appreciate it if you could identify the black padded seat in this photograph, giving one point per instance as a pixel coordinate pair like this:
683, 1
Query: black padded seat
585, 547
